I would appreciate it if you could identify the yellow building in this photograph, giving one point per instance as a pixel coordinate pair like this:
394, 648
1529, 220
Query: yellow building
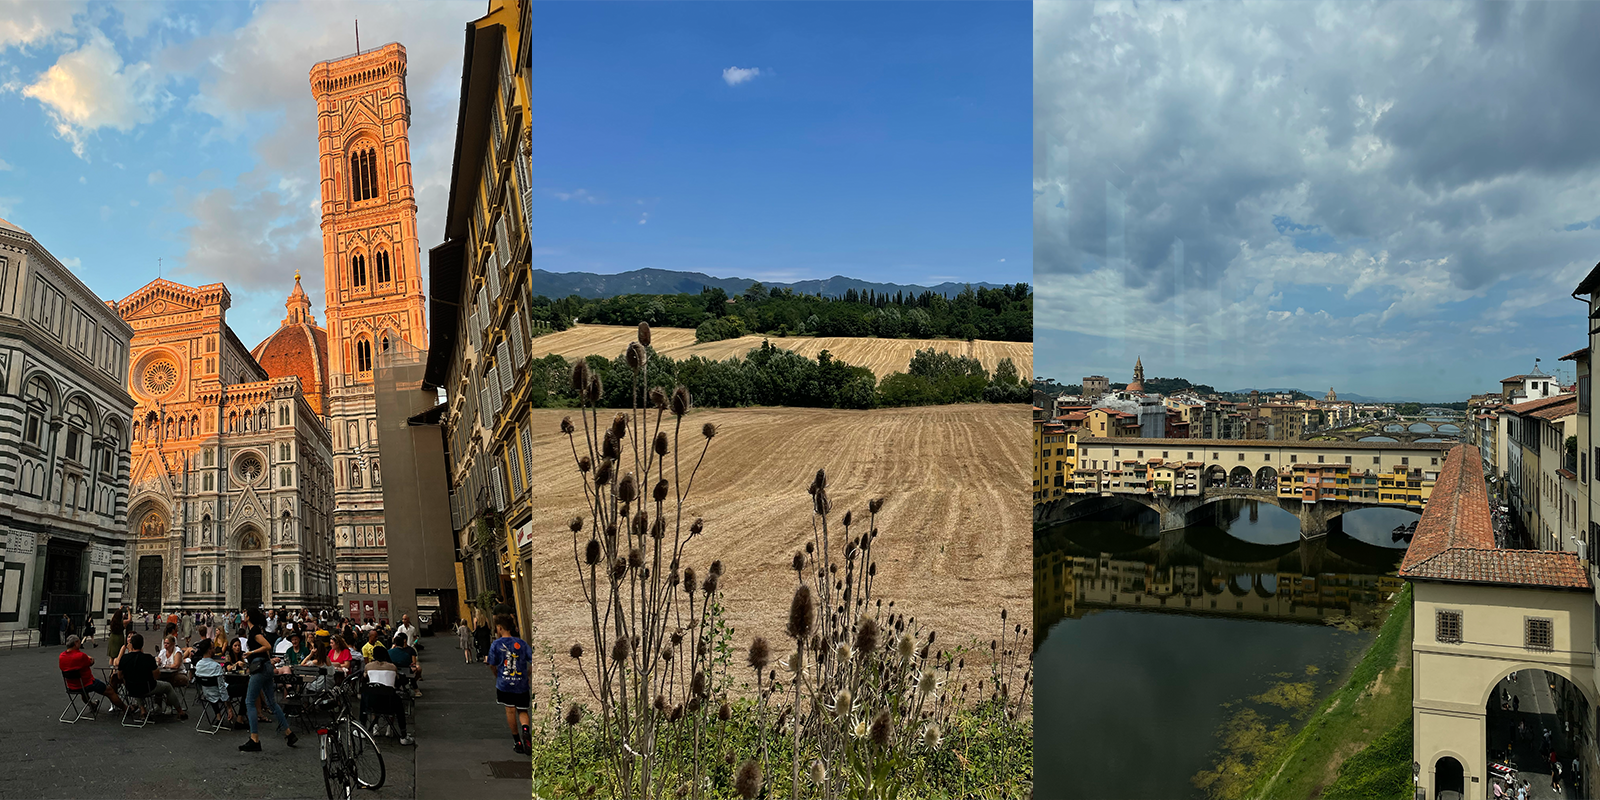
480, 298
1054, 449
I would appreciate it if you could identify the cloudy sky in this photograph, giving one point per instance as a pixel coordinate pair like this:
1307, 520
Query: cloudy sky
776, 141
1393, 199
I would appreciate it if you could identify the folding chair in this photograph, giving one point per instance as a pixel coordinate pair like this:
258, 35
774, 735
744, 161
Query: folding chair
210, 710
142, 702
73, 697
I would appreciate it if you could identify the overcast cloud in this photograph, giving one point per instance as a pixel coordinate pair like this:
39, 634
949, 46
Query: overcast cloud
1395, 199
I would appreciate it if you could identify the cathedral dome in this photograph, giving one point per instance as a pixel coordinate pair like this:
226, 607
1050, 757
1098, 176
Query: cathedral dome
298, 347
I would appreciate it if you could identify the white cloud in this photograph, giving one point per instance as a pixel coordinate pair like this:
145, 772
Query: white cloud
643, 218
26, 22
737, 75
4, 166
156, 177
91, 88
576, 196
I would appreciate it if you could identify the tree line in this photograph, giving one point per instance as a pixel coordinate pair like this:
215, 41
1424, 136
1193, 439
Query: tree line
773, 376
1002, 314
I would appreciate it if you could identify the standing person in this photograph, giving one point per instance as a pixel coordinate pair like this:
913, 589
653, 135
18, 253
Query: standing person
186, 628
88, 630
412, 633
464, 638
510, 660
259, 660
480, 634
66, 625
115, 636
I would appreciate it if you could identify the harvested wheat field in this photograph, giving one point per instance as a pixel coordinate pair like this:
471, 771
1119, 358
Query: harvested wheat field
955, 538
882, 356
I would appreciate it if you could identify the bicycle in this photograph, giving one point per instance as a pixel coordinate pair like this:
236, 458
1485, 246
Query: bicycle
350, 756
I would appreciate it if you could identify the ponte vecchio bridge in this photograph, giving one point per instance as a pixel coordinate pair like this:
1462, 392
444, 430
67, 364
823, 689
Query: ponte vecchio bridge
1317, 481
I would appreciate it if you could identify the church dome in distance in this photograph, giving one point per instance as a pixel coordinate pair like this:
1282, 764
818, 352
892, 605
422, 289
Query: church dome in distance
298, 347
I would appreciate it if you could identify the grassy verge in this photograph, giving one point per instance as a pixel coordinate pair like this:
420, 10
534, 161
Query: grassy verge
978, 758
1330, 756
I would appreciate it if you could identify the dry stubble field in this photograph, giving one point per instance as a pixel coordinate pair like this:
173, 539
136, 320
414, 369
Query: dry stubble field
882, 356
955, 543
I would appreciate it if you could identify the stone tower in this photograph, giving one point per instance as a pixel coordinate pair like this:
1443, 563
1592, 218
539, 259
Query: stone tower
1138, 376
373, 281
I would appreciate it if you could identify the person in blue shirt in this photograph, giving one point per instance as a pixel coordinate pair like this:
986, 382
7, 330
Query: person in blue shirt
403, 654
511, 661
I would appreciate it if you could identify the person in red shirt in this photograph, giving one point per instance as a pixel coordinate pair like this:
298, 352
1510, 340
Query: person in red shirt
78, 668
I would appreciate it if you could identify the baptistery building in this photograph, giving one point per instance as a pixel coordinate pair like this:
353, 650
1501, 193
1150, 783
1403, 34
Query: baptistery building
230, 502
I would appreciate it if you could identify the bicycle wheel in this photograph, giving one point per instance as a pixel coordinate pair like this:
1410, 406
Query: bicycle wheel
335, 772
361, 752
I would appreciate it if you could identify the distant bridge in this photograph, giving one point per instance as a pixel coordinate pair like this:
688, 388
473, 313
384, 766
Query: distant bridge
1356, 433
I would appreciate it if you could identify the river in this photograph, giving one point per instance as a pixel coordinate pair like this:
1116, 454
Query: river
1160, 655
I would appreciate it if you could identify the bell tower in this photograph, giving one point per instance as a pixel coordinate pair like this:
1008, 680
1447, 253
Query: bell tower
371, 260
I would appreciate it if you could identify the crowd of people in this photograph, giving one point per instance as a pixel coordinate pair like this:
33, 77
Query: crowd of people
237, 658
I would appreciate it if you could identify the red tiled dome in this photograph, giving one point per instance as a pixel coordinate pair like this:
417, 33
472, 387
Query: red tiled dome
298, 347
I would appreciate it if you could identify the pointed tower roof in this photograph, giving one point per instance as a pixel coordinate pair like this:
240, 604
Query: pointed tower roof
1138, 376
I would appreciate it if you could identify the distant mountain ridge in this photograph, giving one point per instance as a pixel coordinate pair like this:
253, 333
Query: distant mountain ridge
664, 281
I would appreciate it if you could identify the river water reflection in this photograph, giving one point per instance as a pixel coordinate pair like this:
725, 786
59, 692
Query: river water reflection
1150, 643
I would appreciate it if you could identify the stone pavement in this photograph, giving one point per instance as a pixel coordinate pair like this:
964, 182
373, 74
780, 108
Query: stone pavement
1537, 709
459, 731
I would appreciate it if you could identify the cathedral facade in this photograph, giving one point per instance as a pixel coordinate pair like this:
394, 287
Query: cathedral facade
230, 501
373, 281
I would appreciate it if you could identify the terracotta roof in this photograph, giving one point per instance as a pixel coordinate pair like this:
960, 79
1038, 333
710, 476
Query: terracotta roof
1530, 406
1455, 539
1557, 410
1512, 378
1574, 355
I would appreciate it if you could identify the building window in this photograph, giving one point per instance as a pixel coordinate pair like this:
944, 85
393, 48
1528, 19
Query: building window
38, 399
1447, 626
77, 428
358, 270
1538, 634
381, 260
283, 414
283, 477
363, 175
363, 355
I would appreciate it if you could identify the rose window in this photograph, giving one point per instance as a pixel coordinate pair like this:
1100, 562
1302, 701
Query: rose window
248, 468
160, 377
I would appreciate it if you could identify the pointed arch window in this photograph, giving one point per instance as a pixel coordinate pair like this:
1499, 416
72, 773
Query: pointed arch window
363, 356
39, 400
77, 428
381, 260
363, 175
358, 270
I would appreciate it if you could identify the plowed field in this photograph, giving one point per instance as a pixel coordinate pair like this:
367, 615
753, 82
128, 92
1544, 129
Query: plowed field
955, 543
882, 356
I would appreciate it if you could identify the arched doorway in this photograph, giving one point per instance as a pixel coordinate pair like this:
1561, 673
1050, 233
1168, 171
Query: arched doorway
149, 526
249, 557
1531, 712
1241, 478
1449, 779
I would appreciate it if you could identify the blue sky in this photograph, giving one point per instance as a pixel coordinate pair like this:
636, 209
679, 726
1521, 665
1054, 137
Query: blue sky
1394, 199
887, 142
883, 141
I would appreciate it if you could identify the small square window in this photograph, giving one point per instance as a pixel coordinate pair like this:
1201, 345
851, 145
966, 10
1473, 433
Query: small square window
1447, 626
1347, 459
1241, 456
1539, 634
1319, 459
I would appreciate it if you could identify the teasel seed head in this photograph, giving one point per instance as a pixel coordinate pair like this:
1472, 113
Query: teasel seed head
658, 397
908, 646
667, 653
677, 713
810, 548
567, 426
659, 493
576, 524
928, 682
680, 401
635, 356
867, 636
595, 390
875, 505
620, 649
591, 552
676, 638
602, 473
689, 583
847, 517
694, 705
820, 482
635, 558
802, 613
931, 736
658, 529
798, 563
842, 653
699, 686
747, 784
574, 714
697, 526
639, 523
580, 376
619, 568
576, 651
610, 448
716, 566
584, 465
882, 728
759, 654
724, 712
627, 488
708, 430
644, 334
709, 586
819, 773
660, 703
619, 426
872, 570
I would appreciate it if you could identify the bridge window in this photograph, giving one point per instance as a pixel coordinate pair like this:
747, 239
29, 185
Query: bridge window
1447, 626
1319, 459
1241, 456
1375, 459
1436, 462
1293, 459
1538, 634
1191, 456
1141, 454
1405, 462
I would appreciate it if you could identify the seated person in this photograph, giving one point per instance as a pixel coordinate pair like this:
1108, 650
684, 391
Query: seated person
281, 648
379, 693
142, 677
208, 665
372, 641
297, 651
78, 668
169, 660
404, 655
339, 655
